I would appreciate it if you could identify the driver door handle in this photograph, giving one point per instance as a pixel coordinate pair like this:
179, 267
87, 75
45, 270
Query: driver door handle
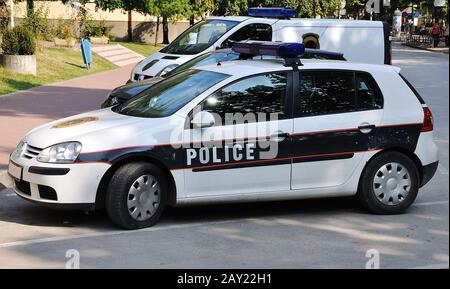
279, 136
366, 128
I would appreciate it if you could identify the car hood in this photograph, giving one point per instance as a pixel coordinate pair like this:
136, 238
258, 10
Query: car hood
134, 88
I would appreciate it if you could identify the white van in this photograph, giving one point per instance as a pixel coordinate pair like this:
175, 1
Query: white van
359, 40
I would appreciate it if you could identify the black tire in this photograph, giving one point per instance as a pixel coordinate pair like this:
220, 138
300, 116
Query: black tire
117, 194
366, 194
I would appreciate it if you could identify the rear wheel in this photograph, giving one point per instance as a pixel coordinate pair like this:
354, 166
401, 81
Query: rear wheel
389, 184
136, 196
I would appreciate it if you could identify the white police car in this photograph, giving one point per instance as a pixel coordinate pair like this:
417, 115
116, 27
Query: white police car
244, 130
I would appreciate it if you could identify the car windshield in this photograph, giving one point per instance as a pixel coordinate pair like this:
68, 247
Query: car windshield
205, 59
171, 94
199, 37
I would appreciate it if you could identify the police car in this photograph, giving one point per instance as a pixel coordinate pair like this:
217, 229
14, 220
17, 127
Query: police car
244, 130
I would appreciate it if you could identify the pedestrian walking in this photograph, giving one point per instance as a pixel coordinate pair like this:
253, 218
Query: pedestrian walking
436, 33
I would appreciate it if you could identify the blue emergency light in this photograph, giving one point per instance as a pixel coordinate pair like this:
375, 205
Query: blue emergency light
278, 49
271, 12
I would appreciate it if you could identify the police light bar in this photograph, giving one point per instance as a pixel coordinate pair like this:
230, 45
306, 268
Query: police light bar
272, 12
278, 49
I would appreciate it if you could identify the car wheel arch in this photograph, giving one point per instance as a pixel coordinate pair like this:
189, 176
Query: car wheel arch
411, 155
101, 190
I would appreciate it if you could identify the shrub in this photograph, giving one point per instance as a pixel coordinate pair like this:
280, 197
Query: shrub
95, 29
37, 22
64, 29
19, 41
10, 44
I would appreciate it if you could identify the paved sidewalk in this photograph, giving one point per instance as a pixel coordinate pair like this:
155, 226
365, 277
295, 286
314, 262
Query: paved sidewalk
24, 110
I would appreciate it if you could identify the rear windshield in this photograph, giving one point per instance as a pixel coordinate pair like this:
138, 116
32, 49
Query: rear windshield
168, 96
419, 97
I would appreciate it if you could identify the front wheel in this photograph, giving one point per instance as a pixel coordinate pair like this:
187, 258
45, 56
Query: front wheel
136, 196
389, 184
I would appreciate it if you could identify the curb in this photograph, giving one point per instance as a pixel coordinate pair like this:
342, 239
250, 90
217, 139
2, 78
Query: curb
426, 49
5, 180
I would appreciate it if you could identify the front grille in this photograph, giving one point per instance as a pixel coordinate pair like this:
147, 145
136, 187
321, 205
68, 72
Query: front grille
48, 193
31, 152
147, 77
23, 187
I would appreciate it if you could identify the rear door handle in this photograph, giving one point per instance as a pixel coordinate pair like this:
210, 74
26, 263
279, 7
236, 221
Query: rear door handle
279, 136
366, 128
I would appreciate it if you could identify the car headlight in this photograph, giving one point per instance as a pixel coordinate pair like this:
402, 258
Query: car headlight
19, 149
167, 69
63, 153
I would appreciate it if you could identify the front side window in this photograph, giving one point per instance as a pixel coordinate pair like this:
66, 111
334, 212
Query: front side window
261, 32
257, 98
326, 92
199, 37
171, 94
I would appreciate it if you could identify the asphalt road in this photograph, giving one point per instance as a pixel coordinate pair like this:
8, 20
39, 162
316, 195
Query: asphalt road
332, 233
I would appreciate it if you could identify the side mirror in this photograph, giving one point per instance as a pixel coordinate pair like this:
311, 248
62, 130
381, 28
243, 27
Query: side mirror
203, 119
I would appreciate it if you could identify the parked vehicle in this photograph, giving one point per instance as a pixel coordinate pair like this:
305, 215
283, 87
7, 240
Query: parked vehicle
245, 130
359, 40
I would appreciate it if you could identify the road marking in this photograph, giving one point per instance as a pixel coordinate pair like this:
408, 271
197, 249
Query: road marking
113, 233
431, 203
432, 266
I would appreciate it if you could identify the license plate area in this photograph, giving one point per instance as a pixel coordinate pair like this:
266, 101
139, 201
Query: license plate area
15, 170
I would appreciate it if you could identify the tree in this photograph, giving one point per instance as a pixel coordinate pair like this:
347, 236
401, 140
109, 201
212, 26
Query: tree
231, 7
198, 8
127, 5
167, 10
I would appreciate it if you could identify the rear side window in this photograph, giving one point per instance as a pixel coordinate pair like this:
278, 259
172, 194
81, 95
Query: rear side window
326, 92
332, 92
368, 94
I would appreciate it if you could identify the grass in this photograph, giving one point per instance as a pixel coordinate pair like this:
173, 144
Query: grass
53, 65
141, 48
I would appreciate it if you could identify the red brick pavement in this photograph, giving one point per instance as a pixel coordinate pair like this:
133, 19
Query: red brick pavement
24, 110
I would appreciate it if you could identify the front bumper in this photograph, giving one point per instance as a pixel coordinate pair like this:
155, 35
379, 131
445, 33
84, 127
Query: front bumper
65, 186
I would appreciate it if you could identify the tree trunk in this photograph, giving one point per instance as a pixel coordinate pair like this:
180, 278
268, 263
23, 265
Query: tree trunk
192, 20
130, 26
30, 7
157, 31
165, 23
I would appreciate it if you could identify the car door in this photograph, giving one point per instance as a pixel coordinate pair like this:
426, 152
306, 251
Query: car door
336, 114
247, 150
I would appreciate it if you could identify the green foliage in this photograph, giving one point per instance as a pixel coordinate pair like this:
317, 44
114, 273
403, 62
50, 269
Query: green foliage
19, 41
96, 29
36, 21
64, 29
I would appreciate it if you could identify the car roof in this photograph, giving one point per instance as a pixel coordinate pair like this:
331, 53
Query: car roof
242, 68
292, 22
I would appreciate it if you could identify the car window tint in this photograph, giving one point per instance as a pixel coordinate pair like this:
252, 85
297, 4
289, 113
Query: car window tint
368, 93
257, 98
326, 92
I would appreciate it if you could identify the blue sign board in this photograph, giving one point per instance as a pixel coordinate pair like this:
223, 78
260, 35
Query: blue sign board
86, 52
